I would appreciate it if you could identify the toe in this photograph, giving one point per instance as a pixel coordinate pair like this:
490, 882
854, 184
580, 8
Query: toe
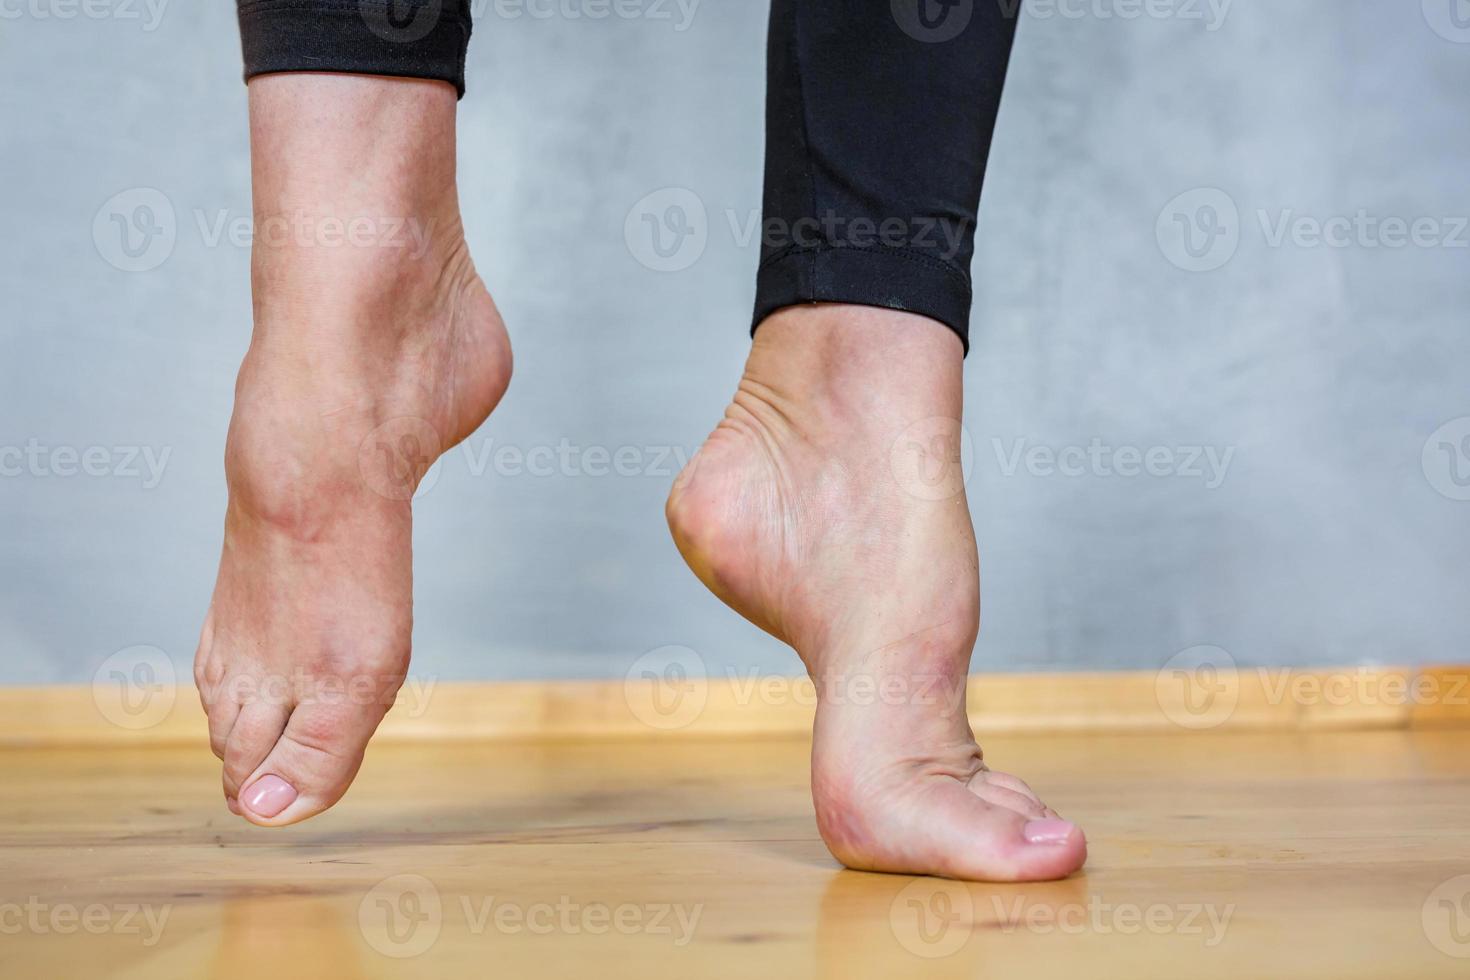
982, 841
992, 792
257, 729
311, 765
222, 715
1010, 782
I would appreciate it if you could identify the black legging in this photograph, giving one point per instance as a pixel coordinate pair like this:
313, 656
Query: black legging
879, 115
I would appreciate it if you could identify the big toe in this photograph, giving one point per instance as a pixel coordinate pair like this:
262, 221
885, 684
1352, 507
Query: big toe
946, 829
256, 729
311, 765
985, 841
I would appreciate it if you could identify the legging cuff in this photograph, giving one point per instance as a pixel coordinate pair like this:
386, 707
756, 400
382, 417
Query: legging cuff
893, 278
404, 38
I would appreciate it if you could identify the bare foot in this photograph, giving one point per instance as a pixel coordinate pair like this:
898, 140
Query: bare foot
376, 348
828, 508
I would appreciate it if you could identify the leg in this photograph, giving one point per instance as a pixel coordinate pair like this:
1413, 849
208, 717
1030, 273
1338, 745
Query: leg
828, 506
376, 348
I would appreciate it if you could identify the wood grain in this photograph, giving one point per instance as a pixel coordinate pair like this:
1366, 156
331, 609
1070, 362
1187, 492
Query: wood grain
1305, 852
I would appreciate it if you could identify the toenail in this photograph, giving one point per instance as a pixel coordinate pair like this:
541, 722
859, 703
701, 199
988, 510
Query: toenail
1048, 831
268, 796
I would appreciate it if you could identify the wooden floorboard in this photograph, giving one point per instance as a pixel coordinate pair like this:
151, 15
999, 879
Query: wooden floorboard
1230, 698
1283, 854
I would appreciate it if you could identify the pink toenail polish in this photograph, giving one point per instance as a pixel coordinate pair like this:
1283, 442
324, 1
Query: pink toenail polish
268, 796
1048, 831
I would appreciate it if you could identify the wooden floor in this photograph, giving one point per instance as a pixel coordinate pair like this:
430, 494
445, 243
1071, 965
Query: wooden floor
1213, 855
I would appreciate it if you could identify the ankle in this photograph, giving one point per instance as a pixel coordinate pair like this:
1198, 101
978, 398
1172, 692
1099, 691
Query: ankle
381, 290
356, 209
842, 367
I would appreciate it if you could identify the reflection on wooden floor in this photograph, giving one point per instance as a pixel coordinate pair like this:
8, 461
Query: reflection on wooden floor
1289, 854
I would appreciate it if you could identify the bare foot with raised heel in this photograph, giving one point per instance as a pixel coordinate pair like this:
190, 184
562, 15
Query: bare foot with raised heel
376, 348
828, 508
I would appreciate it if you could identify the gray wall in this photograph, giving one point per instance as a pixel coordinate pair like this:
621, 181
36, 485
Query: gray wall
1320, 372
